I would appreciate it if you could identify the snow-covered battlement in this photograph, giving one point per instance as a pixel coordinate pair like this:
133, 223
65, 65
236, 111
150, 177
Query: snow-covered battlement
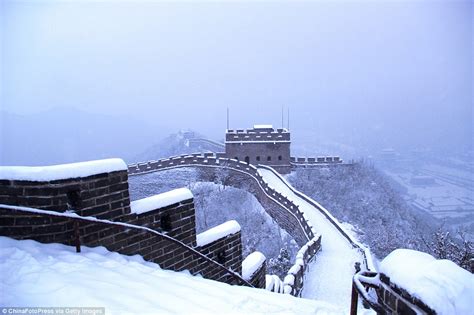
62, 171
251, 264
259, 133
262, 127
161, 200
440, 284
217, 232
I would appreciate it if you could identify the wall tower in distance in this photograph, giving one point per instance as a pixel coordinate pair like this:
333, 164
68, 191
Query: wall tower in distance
260, 145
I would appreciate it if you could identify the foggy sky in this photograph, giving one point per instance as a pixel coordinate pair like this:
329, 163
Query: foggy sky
382, 73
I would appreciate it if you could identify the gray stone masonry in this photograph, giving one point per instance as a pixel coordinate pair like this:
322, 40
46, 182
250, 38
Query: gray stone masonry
258, 278
260, 146
124, 239
106, 196
398, 300
226, 250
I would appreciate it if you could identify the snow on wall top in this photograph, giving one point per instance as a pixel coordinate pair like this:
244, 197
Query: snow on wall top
441, 284
160, 200
217, 232
262, 127
61, 171
251, 264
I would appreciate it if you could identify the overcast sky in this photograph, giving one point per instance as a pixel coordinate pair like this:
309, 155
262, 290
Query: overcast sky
393, 70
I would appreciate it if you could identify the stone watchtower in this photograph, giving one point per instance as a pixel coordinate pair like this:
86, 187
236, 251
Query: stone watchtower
260, 145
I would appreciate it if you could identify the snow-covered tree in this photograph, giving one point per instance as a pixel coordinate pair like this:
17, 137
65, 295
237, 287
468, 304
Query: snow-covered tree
280, 265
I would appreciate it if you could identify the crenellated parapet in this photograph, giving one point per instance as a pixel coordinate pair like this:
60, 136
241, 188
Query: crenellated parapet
315, 161
257, 134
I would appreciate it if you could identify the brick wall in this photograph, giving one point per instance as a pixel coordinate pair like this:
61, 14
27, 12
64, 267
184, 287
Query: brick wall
260, 146
120, 237
176, 220
398, 300
258, 278
104, 196
322, 160
226, 251
242, 176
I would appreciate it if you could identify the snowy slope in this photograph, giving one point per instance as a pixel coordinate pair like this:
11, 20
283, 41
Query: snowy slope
330, 275
35, 274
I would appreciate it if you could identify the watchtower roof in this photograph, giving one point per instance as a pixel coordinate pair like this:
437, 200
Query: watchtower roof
259, 133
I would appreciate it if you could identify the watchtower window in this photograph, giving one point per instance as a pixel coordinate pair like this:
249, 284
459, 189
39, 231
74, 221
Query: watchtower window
221, 257
165, 222
73, 199
258, 158
247, 159
269, 158
279, 158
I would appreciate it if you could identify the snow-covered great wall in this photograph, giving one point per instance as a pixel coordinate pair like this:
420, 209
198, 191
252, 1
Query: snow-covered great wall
87, 205
285, 212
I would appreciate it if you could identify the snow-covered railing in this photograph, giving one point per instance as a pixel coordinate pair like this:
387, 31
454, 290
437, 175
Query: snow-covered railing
97, 232
294, 279
356, 244
412, 282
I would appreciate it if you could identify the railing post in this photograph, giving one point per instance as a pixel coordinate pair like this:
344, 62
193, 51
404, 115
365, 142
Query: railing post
355, 295
77, 240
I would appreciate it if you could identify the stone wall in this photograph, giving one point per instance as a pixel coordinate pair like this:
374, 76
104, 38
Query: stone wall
257, 135
399, 301
104, 196
226, 251
240, 175
276, 155
166, 235
65, 228
258, 278
315, 161
244, 176
176, 220
260, 146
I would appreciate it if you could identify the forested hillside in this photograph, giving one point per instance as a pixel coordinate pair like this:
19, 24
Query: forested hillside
367, 199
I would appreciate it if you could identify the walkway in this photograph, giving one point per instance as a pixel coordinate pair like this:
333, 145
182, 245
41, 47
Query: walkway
329, 277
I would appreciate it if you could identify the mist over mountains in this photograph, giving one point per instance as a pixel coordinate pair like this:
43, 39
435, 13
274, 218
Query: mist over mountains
65, 135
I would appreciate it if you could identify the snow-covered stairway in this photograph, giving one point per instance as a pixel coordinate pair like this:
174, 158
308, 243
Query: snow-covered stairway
329, 277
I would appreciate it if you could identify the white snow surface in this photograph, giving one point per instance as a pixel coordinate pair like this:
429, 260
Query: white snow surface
217, 232
262, 126
160, 201
440, 284
329, 277
54, 275
61, 171
251, 264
